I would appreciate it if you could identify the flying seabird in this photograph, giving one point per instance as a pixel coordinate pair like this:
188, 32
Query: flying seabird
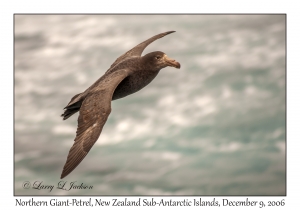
128, 74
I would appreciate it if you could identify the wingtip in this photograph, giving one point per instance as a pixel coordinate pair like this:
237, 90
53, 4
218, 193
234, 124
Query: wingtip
63, 175
169, 32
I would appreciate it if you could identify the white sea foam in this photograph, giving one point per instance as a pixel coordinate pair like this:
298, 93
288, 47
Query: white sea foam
64, 129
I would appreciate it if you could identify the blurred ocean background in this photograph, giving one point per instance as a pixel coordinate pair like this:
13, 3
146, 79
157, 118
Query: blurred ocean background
214, 127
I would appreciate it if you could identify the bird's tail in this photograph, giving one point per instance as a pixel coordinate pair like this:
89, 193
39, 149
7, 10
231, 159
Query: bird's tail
71, 109
68, 113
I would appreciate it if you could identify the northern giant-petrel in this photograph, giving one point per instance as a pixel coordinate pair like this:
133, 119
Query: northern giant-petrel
128, 74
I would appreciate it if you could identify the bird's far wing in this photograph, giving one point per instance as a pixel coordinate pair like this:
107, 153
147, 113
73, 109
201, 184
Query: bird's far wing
138, 50
93, 114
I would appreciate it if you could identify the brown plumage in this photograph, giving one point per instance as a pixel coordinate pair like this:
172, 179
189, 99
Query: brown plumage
127, 75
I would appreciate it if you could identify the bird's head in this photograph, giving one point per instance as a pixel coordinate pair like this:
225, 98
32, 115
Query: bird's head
158, 60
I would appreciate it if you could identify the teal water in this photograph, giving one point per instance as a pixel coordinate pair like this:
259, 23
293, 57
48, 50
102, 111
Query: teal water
214, 127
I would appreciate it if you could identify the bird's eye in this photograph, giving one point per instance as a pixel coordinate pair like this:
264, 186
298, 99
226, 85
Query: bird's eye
157, 57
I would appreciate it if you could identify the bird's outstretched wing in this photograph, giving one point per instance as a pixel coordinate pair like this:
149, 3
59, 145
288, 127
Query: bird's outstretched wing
138, 50
93, 114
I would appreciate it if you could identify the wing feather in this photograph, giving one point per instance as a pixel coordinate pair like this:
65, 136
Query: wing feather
93, 114
138, 50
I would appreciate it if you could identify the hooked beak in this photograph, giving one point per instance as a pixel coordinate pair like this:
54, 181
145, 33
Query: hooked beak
171, 62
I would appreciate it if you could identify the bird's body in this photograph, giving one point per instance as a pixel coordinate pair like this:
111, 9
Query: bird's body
128, 74
141, 76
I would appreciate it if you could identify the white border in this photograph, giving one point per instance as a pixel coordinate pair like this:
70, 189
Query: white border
8, 8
